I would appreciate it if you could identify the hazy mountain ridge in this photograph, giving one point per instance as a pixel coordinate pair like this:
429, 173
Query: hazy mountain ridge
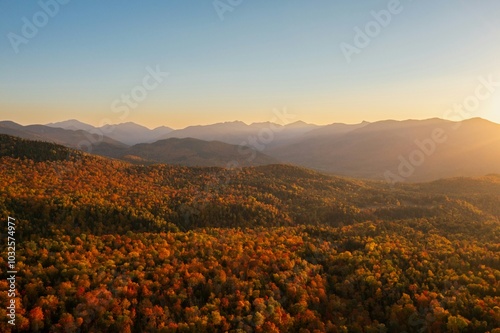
238, 132
264, 195
105, 238
194, 152
468, 148
129, 133
77, 139
384, 150
186, 151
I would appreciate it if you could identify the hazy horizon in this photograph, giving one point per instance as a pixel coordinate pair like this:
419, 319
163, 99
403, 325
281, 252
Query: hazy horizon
240, 121
379, 212
189, 62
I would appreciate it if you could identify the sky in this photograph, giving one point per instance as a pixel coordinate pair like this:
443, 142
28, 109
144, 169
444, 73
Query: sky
184, 62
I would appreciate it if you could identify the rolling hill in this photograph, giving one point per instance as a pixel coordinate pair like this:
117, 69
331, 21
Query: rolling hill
394, 151
77, 139
128, 133
401, 150
263, 135
188, 151
108, 246
264, 195
193, 152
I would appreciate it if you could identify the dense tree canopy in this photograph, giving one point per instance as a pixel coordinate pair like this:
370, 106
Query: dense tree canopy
104, 246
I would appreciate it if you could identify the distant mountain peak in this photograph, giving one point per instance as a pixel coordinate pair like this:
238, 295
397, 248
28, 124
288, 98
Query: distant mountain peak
265, 123
479, 120
72, 124
9, 123
300, 123
128, 124
68, 122
162, 128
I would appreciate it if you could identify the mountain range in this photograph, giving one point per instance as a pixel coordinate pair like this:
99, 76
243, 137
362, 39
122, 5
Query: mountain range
395, 151
128, 133
280, 247
193, 152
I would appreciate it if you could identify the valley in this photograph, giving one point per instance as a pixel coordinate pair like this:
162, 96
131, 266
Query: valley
105, 245
391, 151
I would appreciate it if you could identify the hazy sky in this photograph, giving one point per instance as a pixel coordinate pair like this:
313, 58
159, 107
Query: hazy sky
241, 61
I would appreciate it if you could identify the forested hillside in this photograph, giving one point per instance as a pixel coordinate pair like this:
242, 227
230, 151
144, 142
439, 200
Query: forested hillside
193, 152
105, 246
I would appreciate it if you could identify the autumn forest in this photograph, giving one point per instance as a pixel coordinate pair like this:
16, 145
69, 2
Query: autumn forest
108, 246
